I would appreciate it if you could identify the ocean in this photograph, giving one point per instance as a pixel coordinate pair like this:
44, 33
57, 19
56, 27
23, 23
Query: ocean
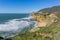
5, 17
14, 24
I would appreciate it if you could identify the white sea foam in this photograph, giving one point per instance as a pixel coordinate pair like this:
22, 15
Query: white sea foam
15, 26
28, 17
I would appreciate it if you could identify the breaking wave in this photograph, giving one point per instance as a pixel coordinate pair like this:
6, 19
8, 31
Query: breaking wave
16, 26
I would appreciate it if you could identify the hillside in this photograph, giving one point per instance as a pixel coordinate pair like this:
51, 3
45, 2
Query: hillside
51, 9
48, 25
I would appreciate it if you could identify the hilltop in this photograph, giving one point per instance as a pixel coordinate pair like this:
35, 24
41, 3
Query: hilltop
51, 9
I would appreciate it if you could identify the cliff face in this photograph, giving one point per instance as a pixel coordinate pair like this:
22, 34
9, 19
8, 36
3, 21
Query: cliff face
44, 21
47, 16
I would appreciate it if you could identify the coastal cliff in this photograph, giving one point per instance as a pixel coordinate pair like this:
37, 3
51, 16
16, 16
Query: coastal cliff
46, 17
44, 20
48, 25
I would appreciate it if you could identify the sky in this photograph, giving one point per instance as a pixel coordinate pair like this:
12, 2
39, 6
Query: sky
25, 6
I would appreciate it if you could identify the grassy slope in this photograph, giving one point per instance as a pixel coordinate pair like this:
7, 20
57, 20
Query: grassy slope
36, 36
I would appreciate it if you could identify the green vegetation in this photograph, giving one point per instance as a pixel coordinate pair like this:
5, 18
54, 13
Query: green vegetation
51, 9
47, 34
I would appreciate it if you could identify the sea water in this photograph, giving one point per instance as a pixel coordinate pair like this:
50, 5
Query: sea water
14, 24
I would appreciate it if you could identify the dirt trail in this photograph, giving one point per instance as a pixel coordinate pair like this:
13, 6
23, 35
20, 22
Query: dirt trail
57, 36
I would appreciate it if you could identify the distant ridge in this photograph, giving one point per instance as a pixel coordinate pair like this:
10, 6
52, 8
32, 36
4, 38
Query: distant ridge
51, 9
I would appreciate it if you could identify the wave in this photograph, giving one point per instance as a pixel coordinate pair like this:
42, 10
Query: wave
16, 26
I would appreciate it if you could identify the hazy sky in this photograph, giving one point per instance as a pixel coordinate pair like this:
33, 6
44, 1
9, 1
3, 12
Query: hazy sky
25, 6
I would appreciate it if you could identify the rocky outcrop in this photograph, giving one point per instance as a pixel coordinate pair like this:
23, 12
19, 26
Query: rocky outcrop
46, 17
44, 20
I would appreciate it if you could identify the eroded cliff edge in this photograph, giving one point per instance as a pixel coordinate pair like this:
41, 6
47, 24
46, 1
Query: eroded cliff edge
47, 17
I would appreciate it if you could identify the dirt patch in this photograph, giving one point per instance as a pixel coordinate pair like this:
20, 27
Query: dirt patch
57, 36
